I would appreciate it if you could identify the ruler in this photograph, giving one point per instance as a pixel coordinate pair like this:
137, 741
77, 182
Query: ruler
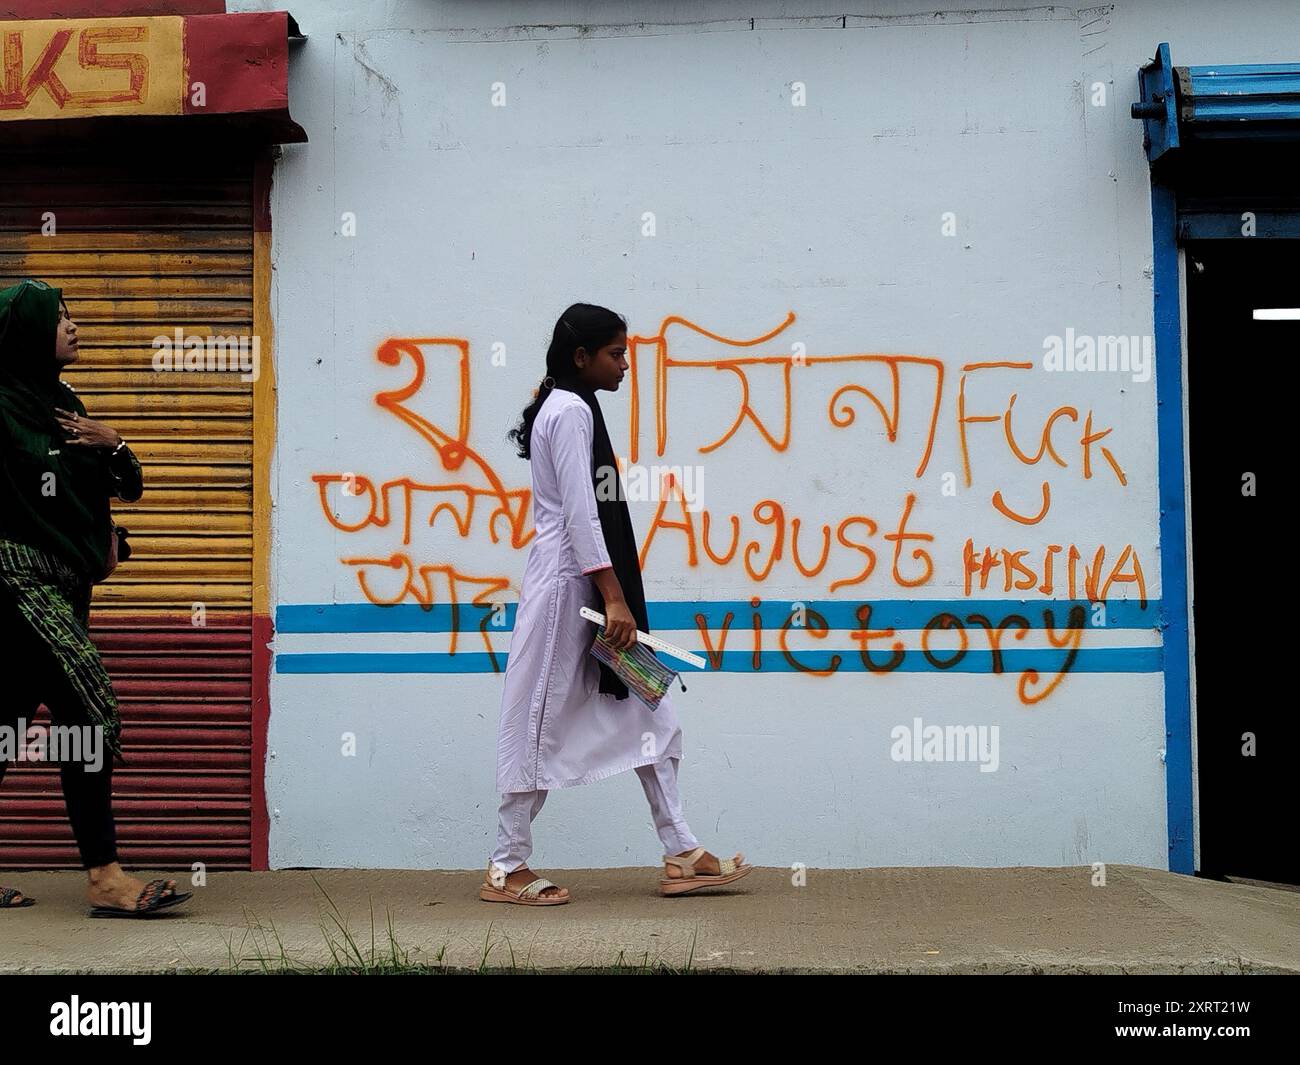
650, 641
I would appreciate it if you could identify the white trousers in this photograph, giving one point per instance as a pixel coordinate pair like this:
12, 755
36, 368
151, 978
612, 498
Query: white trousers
658, 781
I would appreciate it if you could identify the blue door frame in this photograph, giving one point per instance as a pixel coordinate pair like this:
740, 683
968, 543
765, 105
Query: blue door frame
1171, 471
1181, 107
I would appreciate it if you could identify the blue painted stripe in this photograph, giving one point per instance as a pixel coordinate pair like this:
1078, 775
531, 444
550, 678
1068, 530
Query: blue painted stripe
837, 614
1047, 661
1173, 529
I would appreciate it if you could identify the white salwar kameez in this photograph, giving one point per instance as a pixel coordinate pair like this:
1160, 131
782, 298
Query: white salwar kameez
557, 730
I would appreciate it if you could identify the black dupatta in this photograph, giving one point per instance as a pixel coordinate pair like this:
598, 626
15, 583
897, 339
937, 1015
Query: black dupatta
615, 524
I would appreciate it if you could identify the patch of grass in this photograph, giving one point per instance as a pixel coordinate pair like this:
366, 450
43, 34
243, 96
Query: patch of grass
262, 951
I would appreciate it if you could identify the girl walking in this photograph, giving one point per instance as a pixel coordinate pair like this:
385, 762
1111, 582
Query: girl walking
567, 719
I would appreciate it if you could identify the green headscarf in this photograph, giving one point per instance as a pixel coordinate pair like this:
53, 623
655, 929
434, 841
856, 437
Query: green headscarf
55, 496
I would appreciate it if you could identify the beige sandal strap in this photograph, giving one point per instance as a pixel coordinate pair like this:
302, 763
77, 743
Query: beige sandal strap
727, 866
687, 863
687, 860
531, 891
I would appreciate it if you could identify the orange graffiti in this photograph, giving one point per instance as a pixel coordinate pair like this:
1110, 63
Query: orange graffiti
1017, 575
1045, 446
473, 499
770, 513
1024, 520
457, 499
1072, 639
840, 418
417, 582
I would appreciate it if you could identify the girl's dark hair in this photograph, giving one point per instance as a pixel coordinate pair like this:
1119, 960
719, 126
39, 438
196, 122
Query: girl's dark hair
583, 325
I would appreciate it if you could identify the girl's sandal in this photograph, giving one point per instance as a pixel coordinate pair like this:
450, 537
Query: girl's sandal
7, 896
528, 895
688, 879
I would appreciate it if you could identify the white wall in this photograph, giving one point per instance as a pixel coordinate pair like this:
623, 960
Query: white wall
483, 223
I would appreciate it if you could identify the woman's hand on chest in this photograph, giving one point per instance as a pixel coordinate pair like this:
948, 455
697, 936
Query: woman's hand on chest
87, 431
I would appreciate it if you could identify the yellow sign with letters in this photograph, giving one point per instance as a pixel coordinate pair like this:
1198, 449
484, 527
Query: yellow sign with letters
83, 68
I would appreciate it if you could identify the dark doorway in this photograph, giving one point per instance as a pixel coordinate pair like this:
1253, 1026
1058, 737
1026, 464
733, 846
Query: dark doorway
1241, 377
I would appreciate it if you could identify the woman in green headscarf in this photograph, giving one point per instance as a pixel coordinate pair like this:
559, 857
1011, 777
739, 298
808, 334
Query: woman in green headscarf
58, 470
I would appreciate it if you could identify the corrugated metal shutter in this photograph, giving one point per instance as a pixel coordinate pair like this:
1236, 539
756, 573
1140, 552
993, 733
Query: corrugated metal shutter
140, 249
1185, 107
1222, 100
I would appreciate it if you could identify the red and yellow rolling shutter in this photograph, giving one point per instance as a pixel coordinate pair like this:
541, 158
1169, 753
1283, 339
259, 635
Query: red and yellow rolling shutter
137, 179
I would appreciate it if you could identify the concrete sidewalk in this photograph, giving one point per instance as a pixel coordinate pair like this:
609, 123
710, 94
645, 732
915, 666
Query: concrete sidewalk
929, 920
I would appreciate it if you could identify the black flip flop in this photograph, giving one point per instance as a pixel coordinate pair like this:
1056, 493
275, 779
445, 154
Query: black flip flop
148, 902
7, 896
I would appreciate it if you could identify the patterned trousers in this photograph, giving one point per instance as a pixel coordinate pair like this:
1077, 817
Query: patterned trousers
35, 676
